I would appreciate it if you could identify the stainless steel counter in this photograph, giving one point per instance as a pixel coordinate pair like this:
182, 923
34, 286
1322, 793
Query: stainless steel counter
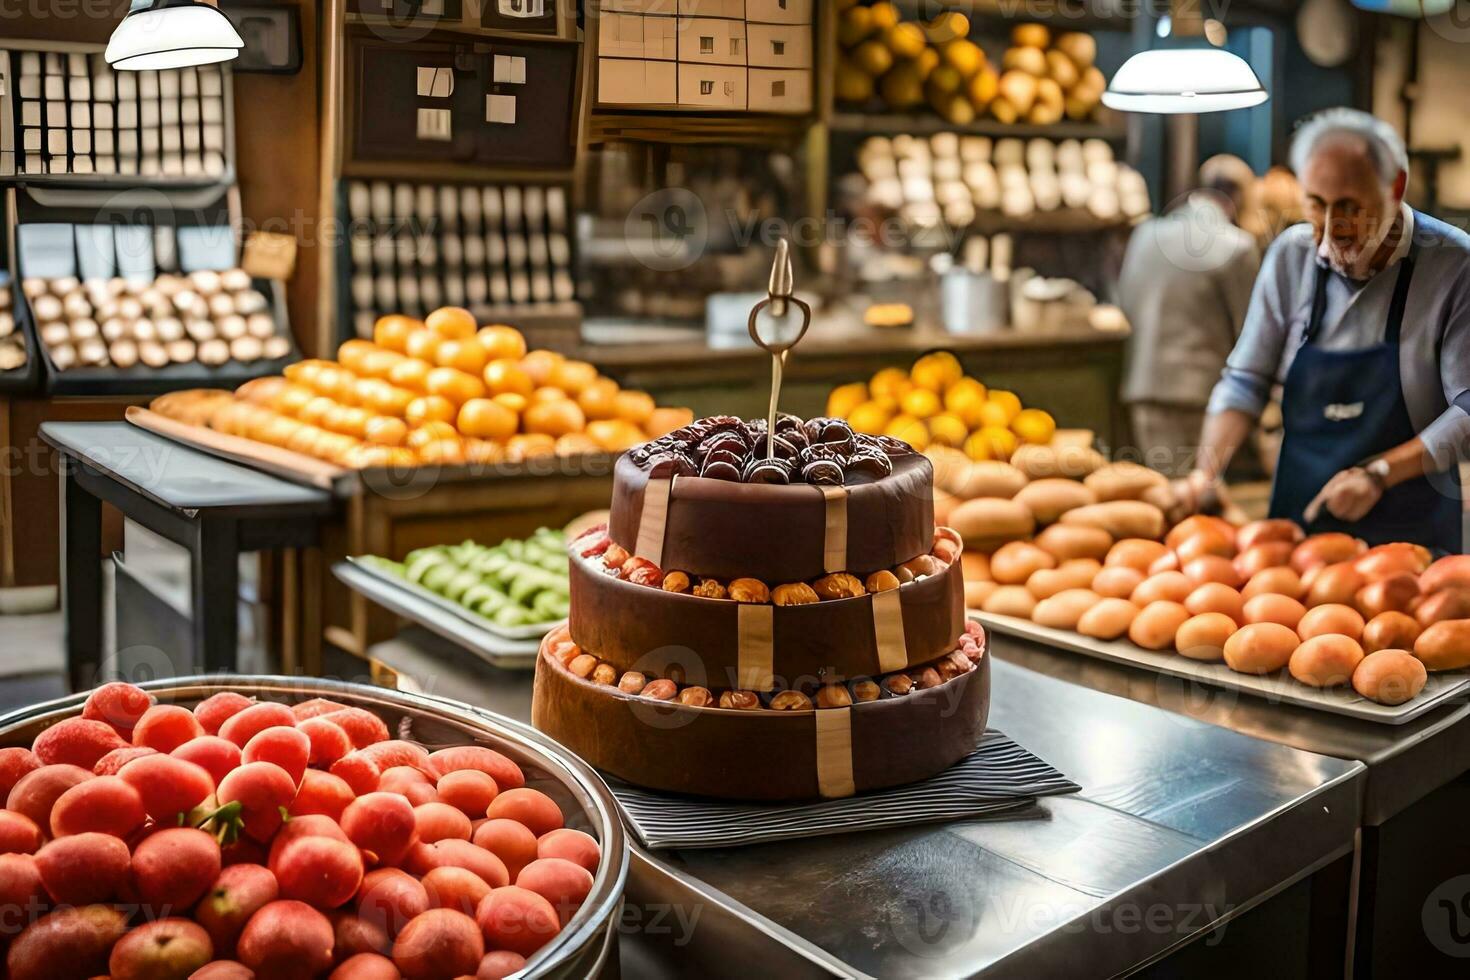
1405, 762
1180, 827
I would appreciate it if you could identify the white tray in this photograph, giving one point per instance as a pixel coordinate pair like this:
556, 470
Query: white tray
531, 631
1279, 688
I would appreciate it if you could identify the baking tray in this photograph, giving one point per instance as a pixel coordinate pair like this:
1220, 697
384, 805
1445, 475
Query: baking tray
534, 631
1278, 688
495, 650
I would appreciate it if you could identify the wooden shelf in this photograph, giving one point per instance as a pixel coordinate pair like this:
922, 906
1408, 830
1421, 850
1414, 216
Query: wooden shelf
925, 124
1062, 15
387, 27
744, 128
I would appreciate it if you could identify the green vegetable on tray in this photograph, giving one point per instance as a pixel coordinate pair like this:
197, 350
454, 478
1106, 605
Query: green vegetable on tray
518, 582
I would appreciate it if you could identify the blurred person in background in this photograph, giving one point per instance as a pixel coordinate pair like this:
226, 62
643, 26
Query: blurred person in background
1185, 286
1362, 315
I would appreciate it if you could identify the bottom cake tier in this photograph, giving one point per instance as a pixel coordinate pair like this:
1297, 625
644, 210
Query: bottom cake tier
881, 732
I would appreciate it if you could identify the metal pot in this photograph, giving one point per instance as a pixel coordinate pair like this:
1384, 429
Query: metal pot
588, 944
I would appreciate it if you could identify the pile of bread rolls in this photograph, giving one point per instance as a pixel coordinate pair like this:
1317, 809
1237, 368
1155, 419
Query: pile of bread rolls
12, 344
209, 317
1261, 598
957, 179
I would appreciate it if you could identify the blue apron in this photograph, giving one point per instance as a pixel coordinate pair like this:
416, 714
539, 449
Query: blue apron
1340, 409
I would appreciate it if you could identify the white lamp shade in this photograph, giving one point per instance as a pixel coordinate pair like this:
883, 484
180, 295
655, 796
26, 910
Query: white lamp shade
174, 36
1171, 80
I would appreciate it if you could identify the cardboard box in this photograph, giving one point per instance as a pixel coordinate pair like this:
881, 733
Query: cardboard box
712, 86
713, 8
711, 41
623, 81
779, 90
778, 11
637, 36
780, 46
666, 7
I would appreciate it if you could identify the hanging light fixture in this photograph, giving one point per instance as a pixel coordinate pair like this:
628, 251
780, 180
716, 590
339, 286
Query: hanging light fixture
1180, 80
160, 34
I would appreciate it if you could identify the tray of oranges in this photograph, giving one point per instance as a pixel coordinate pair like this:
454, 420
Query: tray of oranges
444, 392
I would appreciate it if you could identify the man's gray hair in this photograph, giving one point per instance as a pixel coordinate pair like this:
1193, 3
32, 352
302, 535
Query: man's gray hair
1385, 146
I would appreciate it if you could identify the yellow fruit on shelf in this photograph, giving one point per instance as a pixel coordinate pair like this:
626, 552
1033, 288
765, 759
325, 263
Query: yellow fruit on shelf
948, 26
903, 86
962, 395
483, 452
925, 63
391, 332
983, 88
905, 40
315, 412
890, 383
578, 443
528, 444
885, 15
991, 442
443, 452
429, 408
948, 430
506, 376
634, 406
1008, 400
410, 373
483, 418
337, 384
845, 398
454, 385
872, 417
666, 420
964, 56
290, 399
920, 403
599, 399
452, 322
424, 345
572, 376
432, 430
379, 363
1034, 425
993, 414
539, 364
936, 371
502, 341
943, 81
872, 59
855, 24
612, 435
385, 431
349, 420
851, 83
515, 402
554, 418
547, 393
462, 355
910, 430
351, 353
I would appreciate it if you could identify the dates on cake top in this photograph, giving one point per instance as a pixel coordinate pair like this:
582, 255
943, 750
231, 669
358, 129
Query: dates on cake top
819, 451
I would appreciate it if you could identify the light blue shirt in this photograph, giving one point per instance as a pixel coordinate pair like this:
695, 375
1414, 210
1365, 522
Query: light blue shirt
1434, 342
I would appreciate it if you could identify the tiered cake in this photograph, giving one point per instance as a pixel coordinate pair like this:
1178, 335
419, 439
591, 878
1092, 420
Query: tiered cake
767, 619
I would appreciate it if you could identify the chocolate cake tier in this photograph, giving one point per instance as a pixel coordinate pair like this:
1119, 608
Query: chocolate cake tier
723, 644
776, 533
762, 754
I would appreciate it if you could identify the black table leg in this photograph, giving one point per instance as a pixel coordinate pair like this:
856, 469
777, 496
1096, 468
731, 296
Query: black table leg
215, 591
81, 578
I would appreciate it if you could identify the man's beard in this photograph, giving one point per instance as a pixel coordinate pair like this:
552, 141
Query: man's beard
1354, 259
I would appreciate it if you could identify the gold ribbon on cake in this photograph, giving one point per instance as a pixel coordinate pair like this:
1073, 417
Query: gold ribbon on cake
893, 651
654, 519
834, 752
755, 647
834, 540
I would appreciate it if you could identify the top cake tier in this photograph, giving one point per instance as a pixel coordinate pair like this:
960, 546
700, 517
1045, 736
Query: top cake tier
706, 500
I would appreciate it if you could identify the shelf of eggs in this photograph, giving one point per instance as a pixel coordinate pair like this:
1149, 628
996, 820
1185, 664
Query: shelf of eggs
503, 251
68, 115
138, 336
18, 367
990, 185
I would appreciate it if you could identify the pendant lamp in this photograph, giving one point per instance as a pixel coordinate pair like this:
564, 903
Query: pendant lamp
1179, 80
161, 34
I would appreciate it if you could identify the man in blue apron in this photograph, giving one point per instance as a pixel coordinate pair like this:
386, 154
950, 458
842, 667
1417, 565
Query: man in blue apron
1362, 316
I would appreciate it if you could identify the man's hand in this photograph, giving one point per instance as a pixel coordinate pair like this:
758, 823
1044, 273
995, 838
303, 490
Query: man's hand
1348, 496
1194, 493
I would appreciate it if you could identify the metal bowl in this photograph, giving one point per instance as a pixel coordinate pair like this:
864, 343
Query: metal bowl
588, 943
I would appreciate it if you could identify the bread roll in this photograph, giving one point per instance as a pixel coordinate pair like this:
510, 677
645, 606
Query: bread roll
1063, 610
1051, 497
988, 522
1390, 676
1075, 542
1120, 518
1445, 645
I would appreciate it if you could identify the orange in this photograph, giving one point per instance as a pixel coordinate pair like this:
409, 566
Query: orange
305, 372
910, 430
384, 398
369, 456
573, 376
613, 435
410, 373
666, 420
529, 444
599, 399
548, 394
352, 353
457, 386
423, 344
279, 430
464, 355
315, 411
515, 402
554, 418
378, 363
485, 419
483, 451
385, 431
336, 383
576, 444
994, 415
429, 408
845, 398
871, 417
635, 406
1007, 400
391, 332
430, 432
539, 364
890, 383
290, 399
936, 371
947, 430
920, 403
1034, 425
444, 452
505, 375
502, 341
991, 442
454, 322
348, 420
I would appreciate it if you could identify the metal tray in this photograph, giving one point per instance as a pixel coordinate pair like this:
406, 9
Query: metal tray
389, 593
1278, 688
532, 631
588, 943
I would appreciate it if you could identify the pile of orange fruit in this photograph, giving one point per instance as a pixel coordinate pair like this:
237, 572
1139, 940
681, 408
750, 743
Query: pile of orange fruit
443, 390
935, 404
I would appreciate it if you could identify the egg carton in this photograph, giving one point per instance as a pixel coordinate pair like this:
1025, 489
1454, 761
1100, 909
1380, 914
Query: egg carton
66, 116
495, 249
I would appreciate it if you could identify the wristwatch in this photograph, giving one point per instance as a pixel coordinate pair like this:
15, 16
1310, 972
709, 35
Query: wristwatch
1378, 471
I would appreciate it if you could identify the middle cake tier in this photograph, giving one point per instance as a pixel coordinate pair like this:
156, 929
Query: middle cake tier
723, 644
